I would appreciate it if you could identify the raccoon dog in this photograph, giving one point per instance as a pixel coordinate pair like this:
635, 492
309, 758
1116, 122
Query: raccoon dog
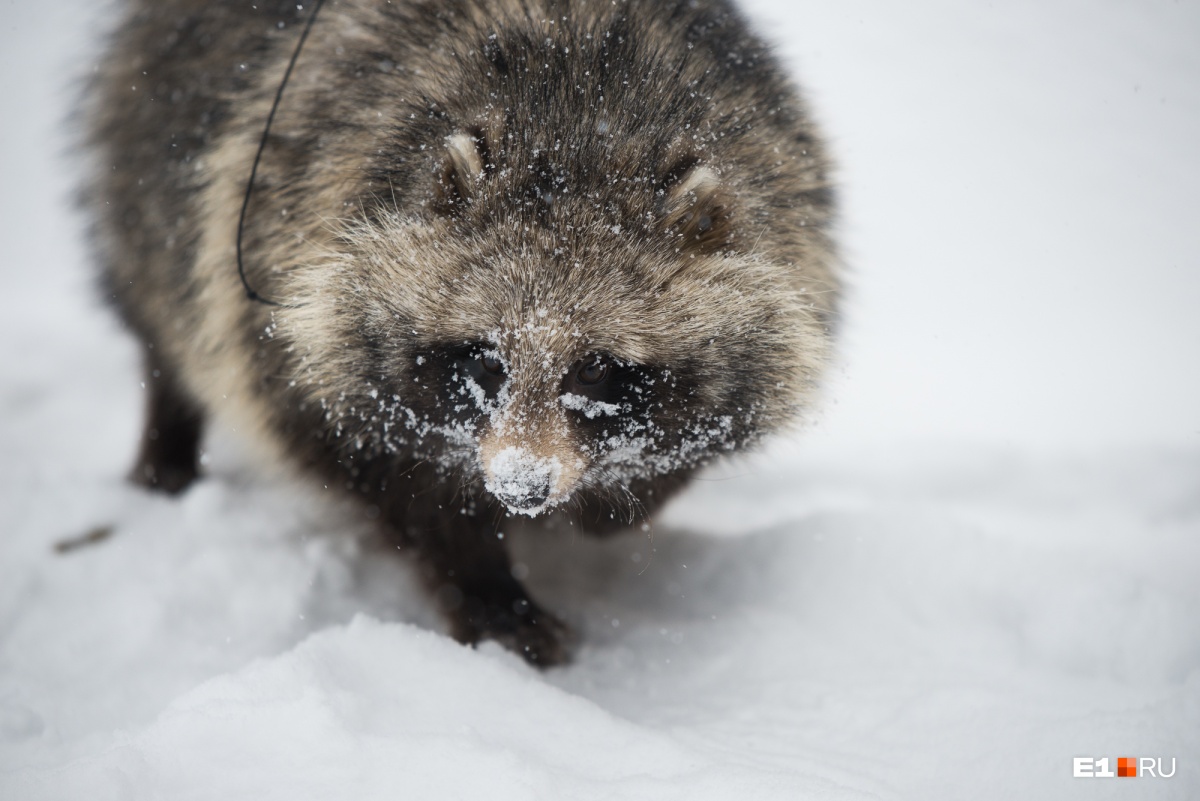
497, 257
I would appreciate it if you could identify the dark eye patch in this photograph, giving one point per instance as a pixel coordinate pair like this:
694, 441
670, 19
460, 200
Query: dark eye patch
655, 401
636, 397
453, 370
601, 377
484, 368
596, 377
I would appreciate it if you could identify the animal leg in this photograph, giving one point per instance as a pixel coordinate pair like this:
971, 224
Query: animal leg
168, 460
466, 567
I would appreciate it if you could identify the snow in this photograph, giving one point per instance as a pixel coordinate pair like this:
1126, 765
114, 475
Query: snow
979, 564
523, 480
591, 408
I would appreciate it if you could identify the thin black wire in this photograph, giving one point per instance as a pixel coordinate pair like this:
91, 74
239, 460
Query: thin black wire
250, 293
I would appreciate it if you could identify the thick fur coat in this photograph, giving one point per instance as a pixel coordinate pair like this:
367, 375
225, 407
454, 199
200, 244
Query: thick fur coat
521, 256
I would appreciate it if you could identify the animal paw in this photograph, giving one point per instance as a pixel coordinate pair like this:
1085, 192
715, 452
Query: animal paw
518, 624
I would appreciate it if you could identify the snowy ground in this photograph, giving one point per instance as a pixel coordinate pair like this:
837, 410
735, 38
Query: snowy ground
982, 563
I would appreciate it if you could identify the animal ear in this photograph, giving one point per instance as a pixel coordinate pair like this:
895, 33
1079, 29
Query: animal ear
698, 207
459, 173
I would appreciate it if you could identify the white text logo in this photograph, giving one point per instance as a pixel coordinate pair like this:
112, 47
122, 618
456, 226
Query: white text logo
1127, 768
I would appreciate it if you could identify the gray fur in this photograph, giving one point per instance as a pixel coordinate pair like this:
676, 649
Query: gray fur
524, 184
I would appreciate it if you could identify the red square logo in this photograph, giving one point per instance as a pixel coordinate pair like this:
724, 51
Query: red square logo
1127, 766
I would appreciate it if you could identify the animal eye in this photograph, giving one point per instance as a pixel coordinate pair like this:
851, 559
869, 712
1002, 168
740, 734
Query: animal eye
601, 385
477, 363
594, 372
491, 365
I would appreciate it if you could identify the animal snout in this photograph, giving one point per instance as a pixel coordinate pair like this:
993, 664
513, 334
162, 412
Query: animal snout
528, 495
522, 480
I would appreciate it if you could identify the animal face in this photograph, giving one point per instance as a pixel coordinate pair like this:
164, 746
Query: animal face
547, 351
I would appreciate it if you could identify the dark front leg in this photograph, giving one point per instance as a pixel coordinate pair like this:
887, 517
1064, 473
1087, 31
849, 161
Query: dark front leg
168, 459
466, 567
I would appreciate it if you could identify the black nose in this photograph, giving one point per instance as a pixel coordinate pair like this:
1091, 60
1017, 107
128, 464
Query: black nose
538, 496
530, 495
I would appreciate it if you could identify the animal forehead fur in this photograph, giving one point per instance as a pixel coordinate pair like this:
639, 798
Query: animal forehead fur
599, 291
